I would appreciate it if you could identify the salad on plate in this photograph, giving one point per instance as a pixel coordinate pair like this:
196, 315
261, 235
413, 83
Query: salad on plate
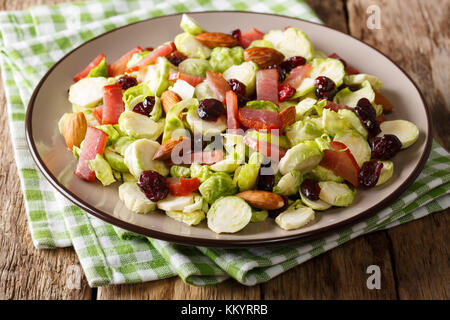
232, 128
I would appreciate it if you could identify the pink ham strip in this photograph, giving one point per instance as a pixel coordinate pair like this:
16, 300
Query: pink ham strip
267, 85
232, 112
249, 36
297, 75
94, 143
162, 51
218, 85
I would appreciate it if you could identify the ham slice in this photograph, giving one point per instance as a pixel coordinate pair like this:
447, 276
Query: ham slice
162, 51
248, 37
267, 85
98, 114
381, 99
297, 75
192, 80
94, 143
120, 65
232, 112
259, 119
341, 163
218, 85
94, 63
181, 186
113, 105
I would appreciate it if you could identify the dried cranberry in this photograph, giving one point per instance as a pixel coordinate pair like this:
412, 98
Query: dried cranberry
149, 49
153, 184
145, 107
310, 189
176, 57
237, 34
385, 147
242, 100
373, 127
127, 82
328, 95
281, 72
210, 109
365, 110
285, 92
237, 86
325, 88
367, 114
274, 213
149, 102
324, 83
266, 178
139, 108
370, 172
364, 102
292, 63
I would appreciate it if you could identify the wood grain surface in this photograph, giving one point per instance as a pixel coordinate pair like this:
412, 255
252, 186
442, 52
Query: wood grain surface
413, 258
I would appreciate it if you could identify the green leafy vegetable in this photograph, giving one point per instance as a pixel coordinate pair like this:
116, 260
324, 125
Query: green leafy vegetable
223, 58
218, 185
101, 70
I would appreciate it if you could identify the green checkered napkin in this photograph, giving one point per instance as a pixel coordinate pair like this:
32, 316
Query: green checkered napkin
31, 41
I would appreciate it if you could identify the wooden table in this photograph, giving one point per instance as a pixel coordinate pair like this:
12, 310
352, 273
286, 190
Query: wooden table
414, 258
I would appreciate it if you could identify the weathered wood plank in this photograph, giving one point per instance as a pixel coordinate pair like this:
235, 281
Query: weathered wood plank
418, 40
175, 288
339, 273
421, 257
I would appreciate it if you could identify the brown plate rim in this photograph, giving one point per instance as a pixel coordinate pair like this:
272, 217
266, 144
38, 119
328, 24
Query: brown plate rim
186, 240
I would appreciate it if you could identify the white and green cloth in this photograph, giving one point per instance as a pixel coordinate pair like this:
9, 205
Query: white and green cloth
32, 41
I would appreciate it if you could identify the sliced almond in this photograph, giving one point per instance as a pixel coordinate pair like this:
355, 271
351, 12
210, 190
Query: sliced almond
164, 151
263, 57
288, 116
74, 129
216, 39
262, 199
168, 99
381, 99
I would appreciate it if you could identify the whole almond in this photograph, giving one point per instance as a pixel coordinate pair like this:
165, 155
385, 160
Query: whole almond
216, 39
288, 116
74, 129
262, 199
168, 99
263, 57
164, 151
